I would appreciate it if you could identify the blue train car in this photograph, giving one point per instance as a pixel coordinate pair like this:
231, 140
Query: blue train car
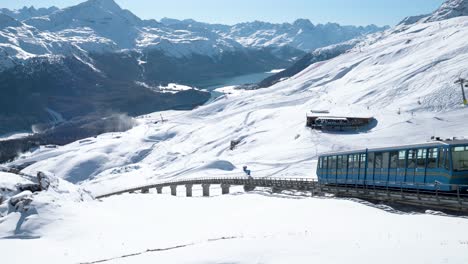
437, 165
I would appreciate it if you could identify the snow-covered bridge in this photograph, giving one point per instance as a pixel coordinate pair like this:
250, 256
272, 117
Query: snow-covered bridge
454, 201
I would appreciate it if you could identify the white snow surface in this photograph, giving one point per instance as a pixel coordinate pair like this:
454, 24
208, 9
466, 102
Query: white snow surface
404, 77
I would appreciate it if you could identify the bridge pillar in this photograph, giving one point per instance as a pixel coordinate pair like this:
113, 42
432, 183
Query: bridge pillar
174, 190
206, 190
249, 188
276, 189
145, 190
188, 190
225, 188
159, 189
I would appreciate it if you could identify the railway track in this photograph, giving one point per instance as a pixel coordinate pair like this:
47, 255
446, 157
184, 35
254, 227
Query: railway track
456, 201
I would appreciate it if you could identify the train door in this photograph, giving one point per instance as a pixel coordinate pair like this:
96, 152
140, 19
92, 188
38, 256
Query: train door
401, 170
393, 170
411, 166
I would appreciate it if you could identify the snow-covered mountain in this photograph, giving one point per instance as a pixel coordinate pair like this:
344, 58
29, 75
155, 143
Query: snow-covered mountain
97, 41
450, 9
301, 34
28, 12
404, 77
109, 26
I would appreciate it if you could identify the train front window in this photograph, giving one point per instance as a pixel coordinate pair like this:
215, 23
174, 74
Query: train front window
432, 157
460, 158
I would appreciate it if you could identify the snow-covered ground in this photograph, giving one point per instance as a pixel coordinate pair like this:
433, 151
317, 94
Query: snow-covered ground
403, 77
17, 135
247, 228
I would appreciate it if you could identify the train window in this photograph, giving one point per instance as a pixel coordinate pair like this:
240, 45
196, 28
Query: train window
340, 162
412, 158
394, 160
332, 162
402, 159
362, 161
324, 162
351, 161
356, 161
385, 160
440, 163
370, 160
320, 162
378, 160
447, 159
432, 157
421, 163
460, 158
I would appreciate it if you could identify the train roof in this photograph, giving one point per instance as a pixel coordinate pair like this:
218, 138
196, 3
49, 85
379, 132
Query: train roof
436, 143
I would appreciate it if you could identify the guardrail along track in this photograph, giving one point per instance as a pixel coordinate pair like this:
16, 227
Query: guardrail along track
419, 195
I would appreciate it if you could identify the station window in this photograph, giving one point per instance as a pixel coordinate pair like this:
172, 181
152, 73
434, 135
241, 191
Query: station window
412, 158
421, 163
402, 159
460, 158
394, 160
432, 158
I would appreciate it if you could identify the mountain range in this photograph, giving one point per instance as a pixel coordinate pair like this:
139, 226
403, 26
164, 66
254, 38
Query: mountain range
96, 58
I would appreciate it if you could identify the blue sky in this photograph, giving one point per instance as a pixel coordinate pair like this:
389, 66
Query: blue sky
350, 12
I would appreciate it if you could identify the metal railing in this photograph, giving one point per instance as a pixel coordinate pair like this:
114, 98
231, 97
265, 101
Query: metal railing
419, 194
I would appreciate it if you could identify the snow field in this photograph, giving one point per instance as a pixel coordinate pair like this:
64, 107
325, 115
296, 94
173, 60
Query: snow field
262, 228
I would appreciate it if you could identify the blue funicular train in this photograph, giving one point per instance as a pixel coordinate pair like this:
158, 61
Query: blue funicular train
437, 165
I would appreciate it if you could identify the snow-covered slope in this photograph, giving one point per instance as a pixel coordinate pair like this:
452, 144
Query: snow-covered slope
450, 9
408, 70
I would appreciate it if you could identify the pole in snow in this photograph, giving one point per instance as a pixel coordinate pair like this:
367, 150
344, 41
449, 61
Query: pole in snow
462, 83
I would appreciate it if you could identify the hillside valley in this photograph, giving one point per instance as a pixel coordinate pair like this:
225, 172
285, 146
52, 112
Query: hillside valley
404, 77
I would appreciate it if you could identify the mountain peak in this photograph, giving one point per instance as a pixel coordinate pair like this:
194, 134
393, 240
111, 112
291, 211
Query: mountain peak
109, 5
450, 9
303, 23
